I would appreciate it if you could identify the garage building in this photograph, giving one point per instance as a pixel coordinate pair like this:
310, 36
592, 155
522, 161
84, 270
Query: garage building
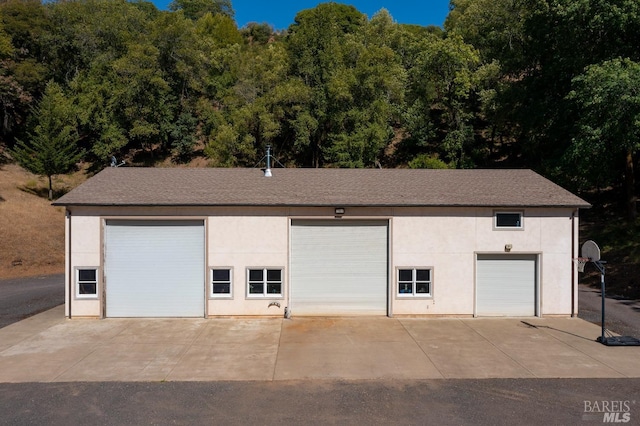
180, 242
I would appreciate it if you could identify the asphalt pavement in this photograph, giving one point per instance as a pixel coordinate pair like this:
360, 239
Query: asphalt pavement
381, 402
21, 298
621, 316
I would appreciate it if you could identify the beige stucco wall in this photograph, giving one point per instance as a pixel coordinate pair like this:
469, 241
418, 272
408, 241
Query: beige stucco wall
449, 239
86, 241
446, 239
242, 242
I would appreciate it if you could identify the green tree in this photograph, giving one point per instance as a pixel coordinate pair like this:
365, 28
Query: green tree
256, 33
195, 9
607, 96
426, 161
13, 98
443, 80
183, 134
23, 73
88, 32
371, 89
6, 47
143, 97
256, 107
534, 49
496, 28
51, 149
356, 83
316, 47
101, 130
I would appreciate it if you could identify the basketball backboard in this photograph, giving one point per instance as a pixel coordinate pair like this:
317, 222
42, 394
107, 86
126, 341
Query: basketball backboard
591, 250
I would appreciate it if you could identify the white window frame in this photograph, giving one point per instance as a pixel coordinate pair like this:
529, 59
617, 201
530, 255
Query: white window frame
213, 295
265, 282
77, 270
500, 212
414, 282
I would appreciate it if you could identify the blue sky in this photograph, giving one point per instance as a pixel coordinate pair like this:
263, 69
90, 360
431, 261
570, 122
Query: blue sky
280, 13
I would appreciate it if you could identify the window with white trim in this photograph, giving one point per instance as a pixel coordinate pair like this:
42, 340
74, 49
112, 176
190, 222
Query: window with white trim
87, 283
508, 220
264, 282
221, 279
415, 282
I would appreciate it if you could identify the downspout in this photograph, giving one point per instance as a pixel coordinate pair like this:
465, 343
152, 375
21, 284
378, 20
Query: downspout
573, 268
287, 308
69, 270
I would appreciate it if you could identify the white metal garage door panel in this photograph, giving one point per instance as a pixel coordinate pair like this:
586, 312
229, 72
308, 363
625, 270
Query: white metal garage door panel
506, 285
154, 268
339, 268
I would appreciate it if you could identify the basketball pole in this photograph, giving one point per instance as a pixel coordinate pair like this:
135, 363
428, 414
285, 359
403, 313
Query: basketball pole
591, 253
600, 266
612, 340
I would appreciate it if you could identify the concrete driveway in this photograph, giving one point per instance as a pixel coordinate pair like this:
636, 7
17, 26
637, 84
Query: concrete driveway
49, 348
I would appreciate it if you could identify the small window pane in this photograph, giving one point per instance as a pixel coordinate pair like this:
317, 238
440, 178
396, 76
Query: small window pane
423, 275
422, 288
86, 275
274, 288
273, 274
405, 275
256, 288
221, 275
87, 288
509, 220
221, 289
255, 274
405, 288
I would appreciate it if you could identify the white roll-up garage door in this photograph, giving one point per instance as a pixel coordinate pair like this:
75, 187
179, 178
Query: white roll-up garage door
506, 285
339, 267
154, 268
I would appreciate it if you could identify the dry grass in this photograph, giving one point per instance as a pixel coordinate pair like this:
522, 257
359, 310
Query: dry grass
31, 229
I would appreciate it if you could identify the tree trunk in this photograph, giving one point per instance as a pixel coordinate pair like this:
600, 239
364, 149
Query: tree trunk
630, 183
50, 189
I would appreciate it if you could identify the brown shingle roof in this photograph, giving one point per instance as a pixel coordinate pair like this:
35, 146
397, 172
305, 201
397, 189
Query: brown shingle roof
130, 186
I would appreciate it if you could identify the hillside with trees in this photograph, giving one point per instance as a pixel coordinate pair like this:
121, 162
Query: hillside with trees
552, 85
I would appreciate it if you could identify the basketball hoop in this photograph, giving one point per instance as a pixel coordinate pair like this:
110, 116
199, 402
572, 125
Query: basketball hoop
581, 262
590, 253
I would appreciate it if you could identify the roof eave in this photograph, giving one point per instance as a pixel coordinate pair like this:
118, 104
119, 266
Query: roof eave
379, 205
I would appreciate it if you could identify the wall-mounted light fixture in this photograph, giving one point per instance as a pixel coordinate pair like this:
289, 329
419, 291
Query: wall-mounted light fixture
508, 247
339, 211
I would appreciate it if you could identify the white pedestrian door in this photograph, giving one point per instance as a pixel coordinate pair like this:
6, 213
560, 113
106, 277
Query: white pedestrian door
339, 267
506, 285
154, 268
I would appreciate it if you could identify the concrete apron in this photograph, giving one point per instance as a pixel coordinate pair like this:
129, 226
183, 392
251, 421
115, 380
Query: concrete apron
49, 348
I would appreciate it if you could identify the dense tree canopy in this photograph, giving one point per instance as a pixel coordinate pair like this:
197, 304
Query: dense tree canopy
546, 84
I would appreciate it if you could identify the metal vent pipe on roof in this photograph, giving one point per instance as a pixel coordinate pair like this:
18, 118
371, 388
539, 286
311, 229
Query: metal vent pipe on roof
267, 171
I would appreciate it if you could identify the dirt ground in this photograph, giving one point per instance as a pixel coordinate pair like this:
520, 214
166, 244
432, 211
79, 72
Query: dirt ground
31, 229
